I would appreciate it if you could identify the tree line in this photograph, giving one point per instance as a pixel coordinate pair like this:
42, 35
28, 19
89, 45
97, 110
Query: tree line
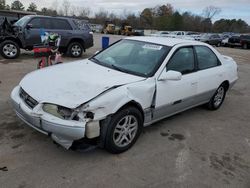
163, 17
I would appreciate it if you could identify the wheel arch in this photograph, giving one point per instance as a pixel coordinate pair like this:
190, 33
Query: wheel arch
132, 103
226, 84
16, 40
79, 40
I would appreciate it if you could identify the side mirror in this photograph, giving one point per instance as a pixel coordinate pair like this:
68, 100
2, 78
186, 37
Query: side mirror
28, 26
170, 75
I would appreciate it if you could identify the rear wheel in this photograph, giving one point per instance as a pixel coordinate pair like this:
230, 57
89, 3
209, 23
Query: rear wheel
218, 98
124, 130
9, 49
244, 46
75, 49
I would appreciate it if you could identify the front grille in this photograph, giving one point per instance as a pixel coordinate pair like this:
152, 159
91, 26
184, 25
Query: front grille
29, 101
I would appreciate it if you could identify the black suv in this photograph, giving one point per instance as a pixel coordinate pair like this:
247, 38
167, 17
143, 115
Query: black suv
212, 39
76, 36
240, 41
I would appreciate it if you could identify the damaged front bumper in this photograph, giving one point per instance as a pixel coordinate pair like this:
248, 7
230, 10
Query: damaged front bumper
63, 132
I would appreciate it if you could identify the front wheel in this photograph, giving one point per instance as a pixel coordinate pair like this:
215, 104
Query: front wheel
9, 49
75, 49
218, 98
124, 129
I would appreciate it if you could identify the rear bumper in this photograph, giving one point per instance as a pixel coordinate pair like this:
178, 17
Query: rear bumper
64, 132
234, 44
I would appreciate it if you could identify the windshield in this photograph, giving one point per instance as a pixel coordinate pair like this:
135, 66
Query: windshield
205, 36
134, 57
22, 21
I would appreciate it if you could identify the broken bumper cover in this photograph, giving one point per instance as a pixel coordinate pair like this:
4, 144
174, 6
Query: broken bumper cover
63, 132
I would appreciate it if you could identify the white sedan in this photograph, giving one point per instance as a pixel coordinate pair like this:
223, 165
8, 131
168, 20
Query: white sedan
160, 34
107, 99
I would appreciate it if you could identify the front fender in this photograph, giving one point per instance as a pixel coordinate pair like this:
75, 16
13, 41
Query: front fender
110, 102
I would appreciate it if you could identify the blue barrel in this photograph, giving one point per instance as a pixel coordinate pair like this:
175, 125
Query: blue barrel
105, 42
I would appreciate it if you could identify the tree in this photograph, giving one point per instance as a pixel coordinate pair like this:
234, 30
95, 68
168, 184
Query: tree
176, 21
226, 25
48, 12
191, 22
132, 20
66, 7
7, 7
164, 10
82, 12
2, 4
207, 25
17, 5
147, 17
32, 7
211, 11
101, 16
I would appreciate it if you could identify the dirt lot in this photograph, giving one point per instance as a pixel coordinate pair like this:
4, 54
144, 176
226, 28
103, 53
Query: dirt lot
197, 148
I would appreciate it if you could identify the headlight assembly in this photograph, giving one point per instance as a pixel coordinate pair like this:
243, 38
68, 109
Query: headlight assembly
58, 111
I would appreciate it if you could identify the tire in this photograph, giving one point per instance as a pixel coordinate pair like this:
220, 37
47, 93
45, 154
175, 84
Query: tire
218, 44
218, 98
39, 64
75, 49
124, 129
244, 46
9, 49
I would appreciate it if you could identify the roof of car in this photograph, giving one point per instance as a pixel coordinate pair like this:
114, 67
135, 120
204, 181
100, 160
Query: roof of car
164, 40
52, 17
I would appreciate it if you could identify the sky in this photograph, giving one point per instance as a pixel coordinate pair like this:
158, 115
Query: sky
238, 9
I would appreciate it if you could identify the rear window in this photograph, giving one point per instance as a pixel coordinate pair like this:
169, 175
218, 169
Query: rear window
206, 57
81, 24
245, 37
60, 24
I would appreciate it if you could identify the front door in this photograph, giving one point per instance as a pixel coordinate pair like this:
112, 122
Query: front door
32, 35
173, 96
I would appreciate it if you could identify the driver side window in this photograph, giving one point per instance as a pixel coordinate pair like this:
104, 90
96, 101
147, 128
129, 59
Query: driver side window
182, 61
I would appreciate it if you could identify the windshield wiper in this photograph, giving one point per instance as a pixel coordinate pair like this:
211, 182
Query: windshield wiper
112, 65
95, 60
119, 68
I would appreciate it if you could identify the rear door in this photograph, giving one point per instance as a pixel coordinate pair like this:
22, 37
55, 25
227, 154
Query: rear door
63, 28
32, 35
210, 73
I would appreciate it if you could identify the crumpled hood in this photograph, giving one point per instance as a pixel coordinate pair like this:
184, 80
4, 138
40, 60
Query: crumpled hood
72, 84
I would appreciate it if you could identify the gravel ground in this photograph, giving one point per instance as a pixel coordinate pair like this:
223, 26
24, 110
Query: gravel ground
197, 148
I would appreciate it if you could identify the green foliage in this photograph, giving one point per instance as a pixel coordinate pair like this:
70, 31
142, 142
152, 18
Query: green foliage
2, 4
176, 21
32, 7
165, 18
17, 5
147, 18
237, 26
48, 12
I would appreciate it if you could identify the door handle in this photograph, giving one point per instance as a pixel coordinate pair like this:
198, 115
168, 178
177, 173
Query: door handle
194, 83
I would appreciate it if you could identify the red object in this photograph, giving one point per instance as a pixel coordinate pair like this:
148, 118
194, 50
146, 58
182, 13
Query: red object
41, 51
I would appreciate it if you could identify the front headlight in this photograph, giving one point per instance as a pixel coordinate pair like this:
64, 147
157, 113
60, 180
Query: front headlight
58, 111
